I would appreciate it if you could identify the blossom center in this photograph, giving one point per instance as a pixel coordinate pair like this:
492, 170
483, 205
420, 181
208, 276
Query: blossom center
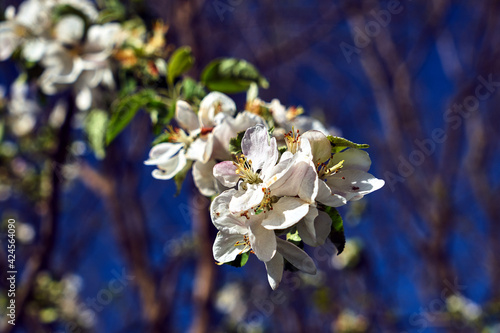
245, 243
179, 136
245, 171
324, 170
293, 112
267, 202
292, 140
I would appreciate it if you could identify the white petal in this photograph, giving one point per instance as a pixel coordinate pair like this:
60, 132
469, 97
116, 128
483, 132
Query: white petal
353, 183
274, 269
224, 248
225, 172
10, 13
353, 159
163, 152
278, 111
201, 149
263, 242
296, 256
107, 78
204, 179
306, 227
321, 227
326, 197
9, 41
70, 29
243, 201
285, 213
34, 15
34, 49
169, 169
212, 104
300, 178
223, 219
320, 146
84, 98
185, 116
228, 127
257, 148
104, 37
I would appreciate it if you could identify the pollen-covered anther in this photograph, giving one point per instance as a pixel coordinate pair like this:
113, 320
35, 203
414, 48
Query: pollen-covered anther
292, 140
178, 135
246, 243
323, 170
266, 203
245, 171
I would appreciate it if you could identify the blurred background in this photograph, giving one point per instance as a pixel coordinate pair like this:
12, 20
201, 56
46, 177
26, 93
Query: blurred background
418, 81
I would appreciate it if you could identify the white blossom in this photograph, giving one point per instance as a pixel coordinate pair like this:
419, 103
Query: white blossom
193, 141
343, 175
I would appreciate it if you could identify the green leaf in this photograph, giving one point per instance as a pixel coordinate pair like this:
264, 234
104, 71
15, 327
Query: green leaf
180, 62
126, 108
282, 150
191, 90
337, 235
163, 137
293, 237
235, 143
240, 260
229, 75
339, 144
113, 10
181, 176
95, 127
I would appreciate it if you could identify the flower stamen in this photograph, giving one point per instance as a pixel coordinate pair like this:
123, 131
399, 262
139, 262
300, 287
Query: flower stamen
292, 140
245, 243
245, 171
178, 135
266, 203
323, 169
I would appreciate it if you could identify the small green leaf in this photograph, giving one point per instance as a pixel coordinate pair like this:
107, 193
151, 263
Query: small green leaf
339, 144
282, 150
163, 137
127, 107
181, 176
229, 75
293, 237
337, 235
95, 127
191, 90
235, 143
240, 260
180, 62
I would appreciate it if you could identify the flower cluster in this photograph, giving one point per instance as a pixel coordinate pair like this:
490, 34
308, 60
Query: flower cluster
75, 46
264, 185
200, 140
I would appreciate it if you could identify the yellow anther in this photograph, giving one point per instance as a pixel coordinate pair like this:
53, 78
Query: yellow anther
292, 140
245, 171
